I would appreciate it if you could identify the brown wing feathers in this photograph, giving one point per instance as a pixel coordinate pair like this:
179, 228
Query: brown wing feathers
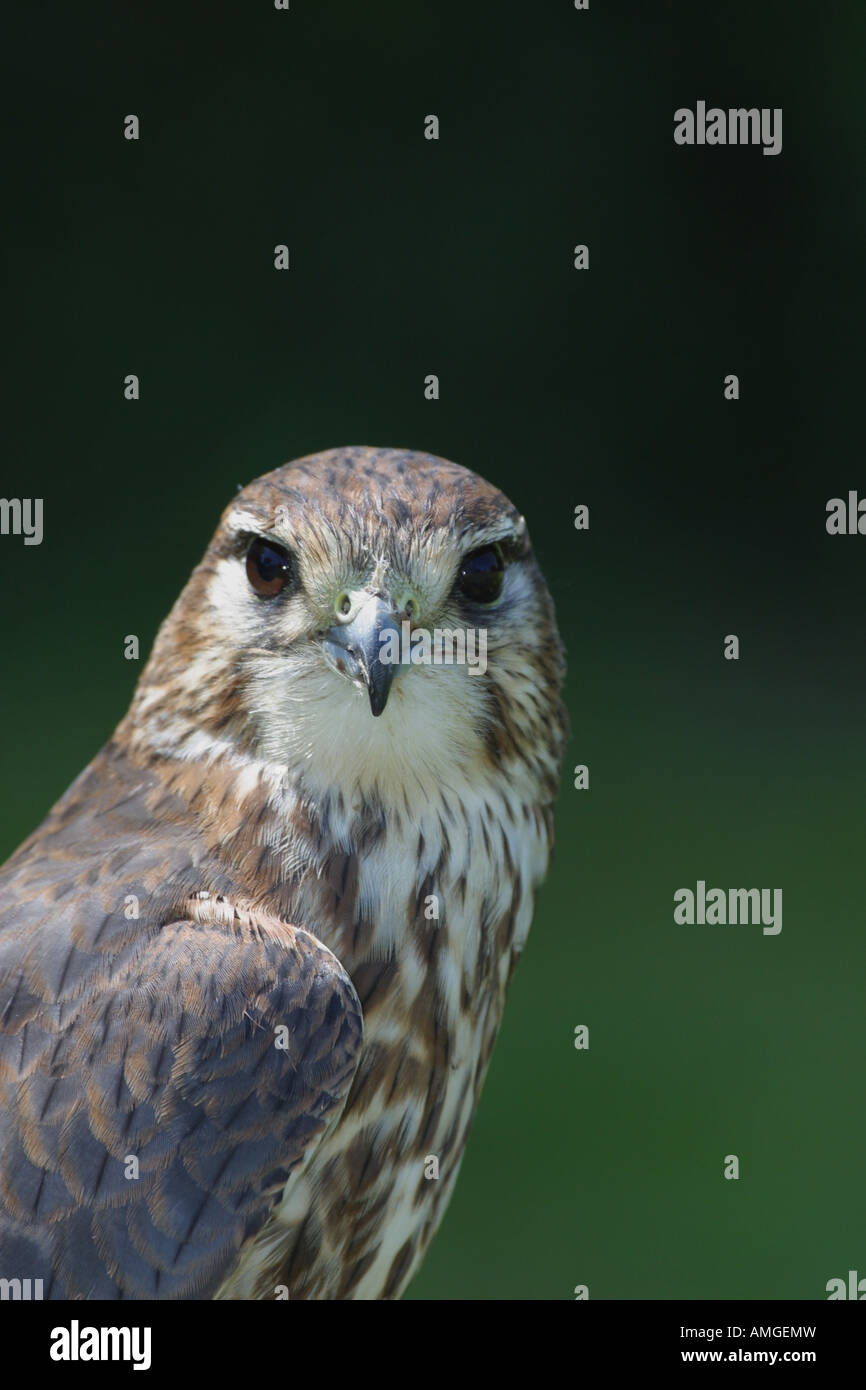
144, 1145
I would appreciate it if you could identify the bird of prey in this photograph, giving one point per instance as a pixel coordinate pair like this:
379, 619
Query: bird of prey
253, 962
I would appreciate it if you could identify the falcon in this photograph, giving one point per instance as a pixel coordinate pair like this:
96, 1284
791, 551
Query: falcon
253, 962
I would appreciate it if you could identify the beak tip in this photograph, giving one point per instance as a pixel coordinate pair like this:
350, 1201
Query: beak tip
355, 650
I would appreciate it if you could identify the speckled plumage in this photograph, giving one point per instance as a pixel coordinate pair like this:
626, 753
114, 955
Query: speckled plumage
254, 852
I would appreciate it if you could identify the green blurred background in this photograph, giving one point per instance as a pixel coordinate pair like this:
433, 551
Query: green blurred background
707, 517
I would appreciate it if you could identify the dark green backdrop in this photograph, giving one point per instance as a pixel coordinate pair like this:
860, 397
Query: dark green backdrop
603, 387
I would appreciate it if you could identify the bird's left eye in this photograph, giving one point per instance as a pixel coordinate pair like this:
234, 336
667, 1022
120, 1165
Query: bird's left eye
269, 568
481, 574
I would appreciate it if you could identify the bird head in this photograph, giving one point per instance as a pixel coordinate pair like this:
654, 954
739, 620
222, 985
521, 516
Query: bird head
367, 619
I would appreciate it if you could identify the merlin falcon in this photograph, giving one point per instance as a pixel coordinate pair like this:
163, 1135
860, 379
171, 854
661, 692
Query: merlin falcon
253, 962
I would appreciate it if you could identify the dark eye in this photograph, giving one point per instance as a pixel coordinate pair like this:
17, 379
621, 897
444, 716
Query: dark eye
269, 568
481, 574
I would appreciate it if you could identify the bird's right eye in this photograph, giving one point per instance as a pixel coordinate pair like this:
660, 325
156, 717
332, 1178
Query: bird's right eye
269, 568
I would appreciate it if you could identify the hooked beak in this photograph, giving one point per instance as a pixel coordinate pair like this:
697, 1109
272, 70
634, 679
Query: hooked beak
354, 648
